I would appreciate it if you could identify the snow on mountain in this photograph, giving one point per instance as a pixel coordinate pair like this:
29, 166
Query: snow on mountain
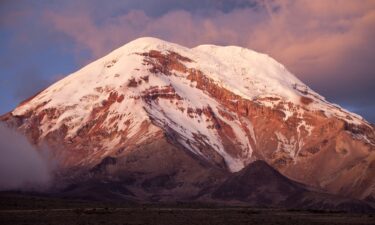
227, 105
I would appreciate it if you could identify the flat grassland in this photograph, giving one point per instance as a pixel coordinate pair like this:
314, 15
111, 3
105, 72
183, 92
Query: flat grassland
21, 209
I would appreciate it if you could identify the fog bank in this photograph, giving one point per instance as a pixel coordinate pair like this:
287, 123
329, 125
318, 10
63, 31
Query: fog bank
22, 166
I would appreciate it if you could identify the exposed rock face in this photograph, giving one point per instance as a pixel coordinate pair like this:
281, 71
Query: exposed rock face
207, 111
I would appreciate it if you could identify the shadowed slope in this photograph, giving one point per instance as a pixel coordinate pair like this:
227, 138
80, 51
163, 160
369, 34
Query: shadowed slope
260, 185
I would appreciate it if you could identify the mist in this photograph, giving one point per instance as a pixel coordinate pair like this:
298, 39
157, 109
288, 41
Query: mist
22, 166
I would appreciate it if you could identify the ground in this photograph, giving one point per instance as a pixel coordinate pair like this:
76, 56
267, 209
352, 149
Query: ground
21, 209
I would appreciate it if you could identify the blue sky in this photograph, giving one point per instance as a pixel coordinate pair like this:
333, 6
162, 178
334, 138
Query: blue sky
327, 44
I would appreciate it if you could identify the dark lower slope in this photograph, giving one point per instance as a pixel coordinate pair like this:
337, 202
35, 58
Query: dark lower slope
259, 184
157, 171
172, 175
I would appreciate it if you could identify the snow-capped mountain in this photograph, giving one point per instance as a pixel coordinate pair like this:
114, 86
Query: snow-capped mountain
157, 108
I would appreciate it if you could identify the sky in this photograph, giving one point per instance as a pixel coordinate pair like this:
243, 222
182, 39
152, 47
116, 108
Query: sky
329, 45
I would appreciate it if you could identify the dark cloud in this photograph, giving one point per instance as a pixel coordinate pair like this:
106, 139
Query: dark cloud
22, 167
113, 8
158, 8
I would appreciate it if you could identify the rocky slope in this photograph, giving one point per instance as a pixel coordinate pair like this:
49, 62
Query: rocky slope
163, 111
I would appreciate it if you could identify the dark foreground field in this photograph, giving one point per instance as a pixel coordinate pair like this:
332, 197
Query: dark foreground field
16, 209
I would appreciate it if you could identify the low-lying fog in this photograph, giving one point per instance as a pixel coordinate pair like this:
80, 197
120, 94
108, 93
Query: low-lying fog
22, 166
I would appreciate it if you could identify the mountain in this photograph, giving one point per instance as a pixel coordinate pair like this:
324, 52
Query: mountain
168, 122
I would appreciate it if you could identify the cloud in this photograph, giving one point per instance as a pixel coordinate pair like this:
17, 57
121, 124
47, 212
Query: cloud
22, 167
299, 33
315, 39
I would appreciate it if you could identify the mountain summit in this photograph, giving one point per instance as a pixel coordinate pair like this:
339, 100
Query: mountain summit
175, 121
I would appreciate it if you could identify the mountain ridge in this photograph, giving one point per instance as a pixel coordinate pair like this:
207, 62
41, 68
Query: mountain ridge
223, 106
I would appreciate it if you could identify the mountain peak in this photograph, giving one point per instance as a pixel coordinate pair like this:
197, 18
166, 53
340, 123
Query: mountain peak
226, 106
148, 41
144, 44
